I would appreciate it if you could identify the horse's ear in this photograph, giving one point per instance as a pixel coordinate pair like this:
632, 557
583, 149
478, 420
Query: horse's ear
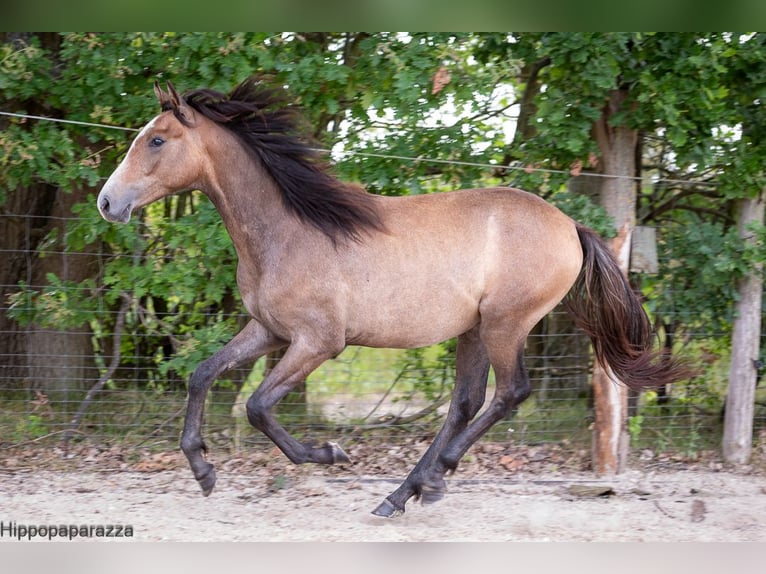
162, 97
174, 97
179, 106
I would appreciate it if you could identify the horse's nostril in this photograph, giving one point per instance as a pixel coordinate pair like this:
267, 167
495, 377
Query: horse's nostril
104, 204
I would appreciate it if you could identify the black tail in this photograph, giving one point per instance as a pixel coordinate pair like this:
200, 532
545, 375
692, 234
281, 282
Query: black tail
604, 306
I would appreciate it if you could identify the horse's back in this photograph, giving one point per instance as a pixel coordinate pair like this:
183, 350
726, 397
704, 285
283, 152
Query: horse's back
485, 230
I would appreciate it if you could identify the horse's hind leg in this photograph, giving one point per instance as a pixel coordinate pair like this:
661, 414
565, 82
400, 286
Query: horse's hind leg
512, 388
248, 345
299, 360
472, 366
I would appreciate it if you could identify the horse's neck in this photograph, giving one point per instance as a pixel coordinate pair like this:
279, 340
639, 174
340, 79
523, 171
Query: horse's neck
251, 207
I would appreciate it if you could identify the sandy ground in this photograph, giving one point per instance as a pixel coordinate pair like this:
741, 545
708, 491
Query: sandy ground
318, 504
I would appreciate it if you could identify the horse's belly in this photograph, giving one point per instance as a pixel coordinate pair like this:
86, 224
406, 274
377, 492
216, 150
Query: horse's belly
414, 321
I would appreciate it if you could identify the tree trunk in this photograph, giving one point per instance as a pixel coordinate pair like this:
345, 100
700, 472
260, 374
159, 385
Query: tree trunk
53, 362
618, 197
745, 347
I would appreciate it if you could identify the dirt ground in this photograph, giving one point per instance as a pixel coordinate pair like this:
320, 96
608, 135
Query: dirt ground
499, 494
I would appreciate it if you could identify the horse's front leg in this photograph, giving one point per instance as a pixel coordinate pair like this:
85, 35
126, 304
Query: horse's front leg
301, 358
246, 347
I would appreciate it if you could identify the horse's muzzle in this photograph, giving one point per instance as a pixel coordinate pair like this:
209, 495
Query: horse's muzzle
111, 211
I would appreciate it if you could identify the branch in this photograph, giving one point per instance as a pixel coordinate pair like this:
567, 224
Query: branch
385, 395
486, 112
676, 201
163, 424
118, 328
396, 420
143, 312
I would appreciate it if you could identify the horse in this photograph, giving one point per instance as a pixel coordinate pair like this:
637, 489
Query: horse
323, 264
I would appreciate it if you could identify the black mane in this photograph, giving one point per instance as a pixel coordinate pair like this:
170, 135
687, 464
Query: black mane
275, 130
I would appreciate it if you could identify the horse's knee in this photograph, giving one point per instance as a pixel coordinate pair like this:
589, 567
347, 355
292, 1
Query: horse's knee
201, 379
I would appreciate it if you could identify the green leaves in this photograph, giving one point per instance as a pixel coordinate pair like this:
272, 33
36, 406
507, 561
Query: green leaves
59, 305
24, 69
432, 96
582, 209
698, 276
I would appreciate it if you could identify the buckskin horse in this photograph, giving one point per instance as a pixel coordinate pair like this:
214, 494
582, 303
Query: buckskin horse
323, 264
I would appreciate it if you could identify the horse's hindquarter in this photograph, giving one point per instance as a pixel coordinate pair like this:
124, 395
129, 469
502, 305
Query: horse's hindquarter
448, 258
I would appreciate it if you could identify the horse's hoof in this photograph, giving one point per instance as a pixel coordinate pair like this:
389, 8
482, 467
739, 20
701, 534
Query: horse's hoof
207, 481
386, 509
337, 454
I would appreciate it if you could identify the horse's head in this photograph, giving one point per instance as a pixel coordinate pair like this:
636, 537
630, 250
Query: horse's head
164, 158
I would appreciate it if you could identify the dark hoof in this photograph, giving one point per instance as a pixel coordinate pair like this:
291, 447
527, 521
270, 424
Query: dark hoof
207, 481
337, 454
386, 509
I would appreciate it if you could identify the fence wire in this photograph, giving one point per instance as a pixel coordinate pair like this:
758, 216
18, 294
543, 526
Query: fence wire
377, 393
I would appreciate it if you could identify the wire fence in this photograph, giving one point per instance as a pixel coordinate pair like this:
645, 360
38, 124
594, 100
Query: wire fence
46, 374
644, 180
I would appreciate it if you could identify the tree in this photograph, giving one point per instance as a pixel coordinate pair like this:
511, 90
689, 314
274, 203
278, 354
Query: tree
41, 182
747, 84
601, 95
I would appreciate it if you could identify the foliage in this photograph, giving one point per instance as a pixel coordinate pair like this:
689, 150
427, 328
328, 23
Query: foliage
59, 304
703, 262
581, 208
374, 99
429, 371
361, 92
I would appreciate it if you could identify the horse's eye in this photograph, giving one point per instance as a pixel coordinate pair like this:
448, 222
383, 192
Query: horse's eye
156, 141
